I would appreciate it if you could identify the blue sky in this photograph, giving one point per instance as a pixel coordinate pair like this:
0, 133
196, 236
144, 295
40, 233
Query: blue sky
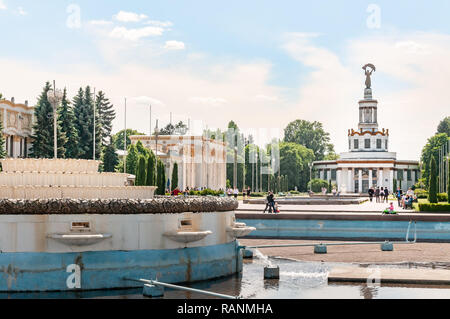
288, 50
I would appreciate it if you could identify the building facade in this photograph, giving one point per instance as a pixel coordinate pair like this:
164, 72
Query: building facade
368, 162
201, 160
17, 121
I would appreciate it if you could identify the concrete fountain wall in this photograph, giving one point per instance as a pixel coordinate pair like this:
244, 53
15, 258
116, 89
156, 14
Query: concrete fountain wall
57, 245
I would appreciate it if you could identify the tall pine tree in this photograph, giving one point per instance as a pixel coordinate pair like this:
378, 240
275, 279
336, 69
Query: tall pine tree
84, 123
43, 137
140, 171
110, 158
67, 121
2, 138
151, 170
106, 115
160, 178
174, 183
432, 191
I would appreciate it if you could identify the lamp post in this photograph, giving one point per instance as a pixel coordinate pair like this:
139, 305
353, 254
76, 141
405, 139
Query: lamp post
55, 96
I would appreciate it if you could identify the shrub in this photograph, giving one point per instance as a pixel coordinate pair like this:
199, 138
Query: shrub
421, 193
432, 192
433, 207
317, 184
442, 197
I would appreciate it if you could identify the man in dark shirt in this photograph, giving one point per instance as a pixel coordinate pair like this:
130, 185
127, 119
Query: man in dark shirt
270, 203
371, 192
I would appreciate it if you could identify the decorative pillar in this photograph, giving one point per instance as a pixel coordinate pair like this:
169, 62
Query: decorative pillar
338, 179
381, 177
321, 171
350, 179
370, 178
359, 180
405, 180
391, 180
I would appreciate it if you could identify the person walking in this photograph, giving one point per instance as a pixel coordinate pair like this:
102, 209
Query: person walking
236, 192
269, 200
371, 193
386, 194
377, 195
399, 194
249, 191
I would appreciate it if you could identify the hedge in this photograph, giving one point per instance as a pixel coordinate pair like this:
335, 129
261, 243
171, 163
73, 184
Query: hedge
421, 193
442, 197
433, 207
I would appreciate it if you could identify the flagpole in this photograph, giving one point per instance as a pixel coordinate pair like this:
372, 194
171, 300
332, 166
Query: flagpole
125, 141
94, 129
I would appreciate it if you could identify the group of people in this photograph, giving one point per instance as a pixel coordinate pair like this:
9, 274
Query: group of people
271, 204
233, 192
381, 194
405, 200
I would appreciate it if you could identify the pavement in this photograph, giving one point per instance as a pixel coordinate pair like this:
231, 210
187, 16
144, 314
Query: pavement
391, 275
431, 253
366, 207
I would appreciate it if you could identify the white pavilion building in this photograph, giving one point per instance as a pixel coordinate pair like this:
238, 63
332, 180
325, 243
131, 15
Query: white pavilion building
368, 162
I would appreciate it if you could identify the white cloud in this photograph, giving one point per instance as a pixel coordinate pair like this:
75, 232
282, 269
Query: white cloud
124, 16
266, 98
100, 22
146, 100
2, 5
162, 24
174, 45
135, 34
213, 101
21, 11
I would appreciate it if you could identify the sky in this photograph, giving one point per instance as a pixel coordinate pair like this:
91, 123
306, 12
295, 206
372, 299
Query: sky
259, 63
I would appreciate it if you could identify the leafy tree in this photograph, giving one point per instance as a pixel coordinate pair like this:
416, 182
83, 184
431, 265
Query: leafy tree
174, 176
178, 129
444, 126
2, 139
110, 158
140, 171
160, 178
316, 185
106, 115
432, 193
67, 120
151, 170
431, 149
448, 182
142, 150
43, 136
294, 163
311, 135
132, 159
119, 137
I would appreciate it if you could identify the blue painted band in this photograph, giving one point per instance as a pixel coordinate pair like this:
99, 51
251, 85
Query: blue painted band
347, 229
21, 272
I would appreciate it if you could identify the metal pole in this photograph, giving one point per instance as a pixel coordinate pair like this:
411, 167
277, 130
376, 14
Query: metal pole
55, 142
125, 140
163, 284
93, 142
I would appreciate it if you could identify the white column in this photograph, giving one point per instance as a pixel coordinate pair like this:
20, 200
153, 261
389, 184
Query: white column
338, 179
360, 181
413, 176
391, 180
405, 180
380, 183
321, 174
370, 178
349, 180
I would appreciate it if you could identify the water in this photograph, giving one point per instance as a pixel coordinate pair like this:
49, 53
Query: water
298, 280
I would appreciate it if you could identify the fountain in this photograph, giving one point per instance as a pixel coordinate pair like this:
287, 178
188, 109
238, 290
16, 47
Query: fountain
64, 227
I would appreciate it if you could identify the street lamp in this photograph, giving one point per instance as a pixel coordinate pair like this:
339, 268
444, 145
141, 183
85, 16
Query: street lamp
310, 175
54, 96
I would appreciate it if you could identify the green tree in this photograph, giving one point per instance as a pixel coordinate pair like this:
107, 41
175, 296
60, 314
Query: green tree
110, 158
178, 129
432, 193
161, 178
151, 170
294, 163
43, 136
448, 182
444, 126
140, 171
67, 120
132, 159
141, 149
118, 138
431, 149
106, 115
316, 185
2, 139
311, 135
174, 183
